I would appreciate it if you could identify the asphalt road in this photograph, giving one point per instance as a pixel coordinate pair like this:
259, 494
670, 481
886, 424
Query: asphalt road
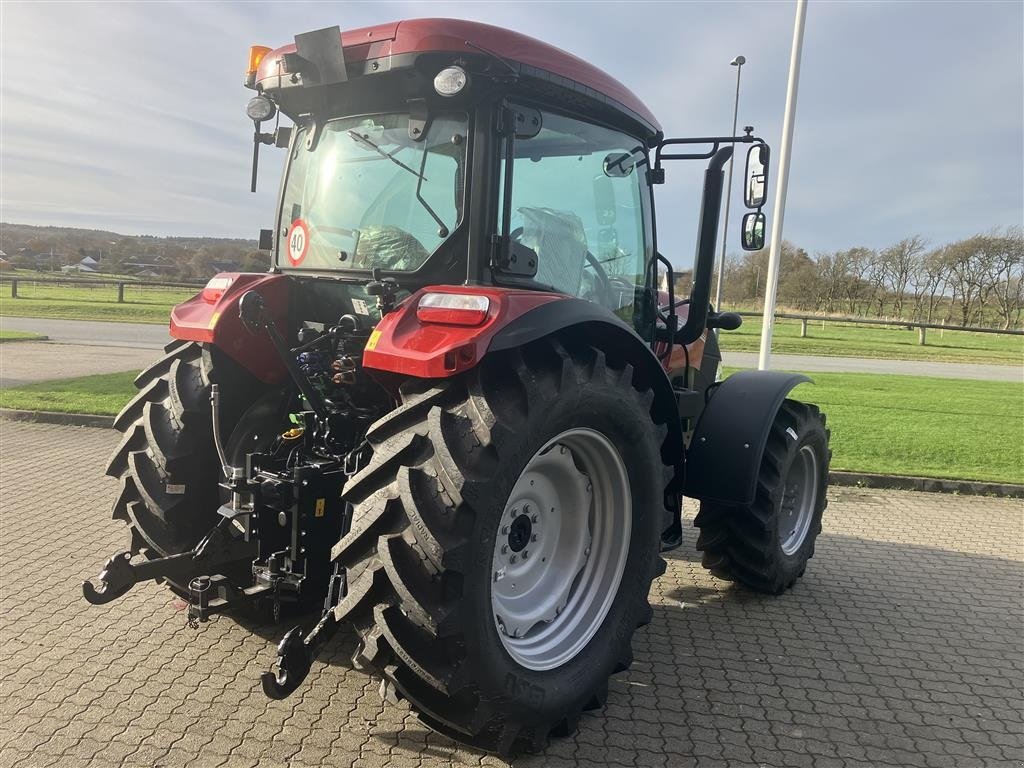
150, 336
93, 333
900, 646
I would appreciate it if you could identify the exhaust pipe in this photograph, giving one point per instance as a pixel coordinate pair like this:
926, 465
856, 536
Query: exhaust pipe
707, 235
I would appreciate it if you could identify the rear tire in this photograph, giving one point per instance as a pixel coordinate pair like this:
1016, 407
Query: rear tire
427, 516
767, 544
166, 461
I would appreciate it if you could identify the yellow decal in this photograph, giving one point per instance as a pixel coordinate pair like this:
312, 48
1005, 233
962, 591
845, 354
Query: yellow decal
371, 343
319, 509
213, 321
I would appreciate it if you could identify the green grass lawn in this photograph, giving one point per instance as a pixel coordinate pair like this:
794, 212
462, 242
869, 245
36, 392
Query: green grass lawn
895, 343
142, 304
896, 425
924, 426
103, 394
19, 335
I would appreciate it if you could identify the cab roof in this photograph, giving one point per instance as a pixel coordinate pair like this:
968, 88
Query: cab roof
536, 59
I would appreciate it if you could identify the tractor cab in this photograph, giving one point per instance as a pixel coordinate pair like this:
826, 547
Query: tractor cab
450, 152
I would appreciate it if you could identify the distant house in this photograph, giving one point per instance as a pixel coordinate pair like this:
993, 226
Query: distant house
79, 267
148, 273
155, 269
89, 261
225, 265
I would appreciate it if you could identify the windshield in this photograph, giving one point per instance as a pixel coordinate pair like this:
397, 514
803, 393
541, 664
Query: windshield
369, 196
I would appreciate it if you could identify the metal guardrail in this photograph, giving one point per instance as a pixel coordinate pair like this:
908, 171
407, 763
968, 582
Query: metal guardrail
14, 280
909, 324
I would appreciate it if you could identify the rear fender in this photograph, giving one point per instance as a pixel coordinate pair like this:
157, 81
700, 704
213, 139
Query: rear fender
403, 344
724, 457
215, 321
595, 325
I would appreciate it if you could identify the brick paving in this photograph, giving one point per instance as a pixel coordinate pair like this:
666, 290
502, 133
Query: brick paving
901, 647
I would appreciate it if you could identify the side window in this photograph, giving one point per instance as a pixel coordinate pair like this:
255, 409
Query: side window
576, 201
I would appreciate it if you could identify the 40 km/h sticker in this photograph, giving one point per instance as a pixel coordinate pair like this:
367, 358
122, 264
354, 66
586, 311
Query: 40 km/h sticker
298, 242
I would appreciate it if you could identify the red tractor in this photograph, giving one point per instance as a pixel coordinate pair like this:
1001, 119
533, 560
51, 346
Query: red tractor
458, 413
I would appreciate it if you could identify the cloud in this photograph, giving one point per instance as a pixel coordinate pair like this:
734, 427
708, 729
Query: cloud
910, 115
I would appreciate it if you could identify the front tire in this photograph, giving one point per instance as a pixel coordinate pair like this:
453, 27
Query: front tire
766, 545
433, 508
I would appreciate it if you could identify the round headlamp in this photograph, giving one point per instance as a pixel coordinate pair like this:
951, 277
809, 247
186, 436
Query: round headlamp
450, 81
260, 108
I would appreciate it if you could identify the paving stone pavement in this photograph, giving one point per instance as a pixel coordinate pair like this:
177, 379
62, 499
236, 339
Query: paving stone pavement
900, 647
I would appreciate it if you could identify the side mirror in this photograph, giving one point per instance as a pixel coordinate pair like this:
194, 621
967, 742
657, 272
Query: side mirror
753, 231
755, 188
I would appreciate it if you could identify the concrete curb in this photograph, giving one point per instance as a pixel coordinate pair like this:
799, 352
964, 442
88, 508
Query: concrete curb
931, 484
53, 417
30, 338
855, 479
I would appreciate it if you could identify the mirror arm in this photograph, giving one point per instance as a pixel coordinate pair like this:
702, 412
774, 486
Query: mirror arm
711, 205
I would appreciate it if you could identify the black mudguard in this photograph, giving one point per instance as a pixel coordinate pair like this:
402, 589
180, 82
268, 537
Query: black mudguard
728, 442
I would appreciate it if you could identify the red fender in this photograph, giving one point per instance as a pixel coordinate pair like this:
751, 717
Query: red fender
402, 343
211, 317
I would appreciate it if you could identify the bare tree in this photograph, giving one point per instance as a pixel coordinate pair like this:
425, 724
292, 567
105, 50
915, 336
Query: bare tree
929, 280
969, 276
897, 263
1005, 262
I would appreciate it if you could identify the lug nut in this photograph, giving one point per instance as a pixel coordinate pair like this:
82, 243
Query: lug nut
513, 559
504, 549
533, 518
533, 537
526, 553
504, 530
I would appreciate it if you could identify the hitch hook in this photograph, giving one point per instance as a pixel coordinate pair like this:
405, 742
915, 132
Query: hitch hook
293, 663
115, 579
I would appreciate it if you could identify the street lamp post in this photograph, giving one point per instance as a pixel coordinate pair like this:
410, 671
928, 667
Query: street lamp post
738, 62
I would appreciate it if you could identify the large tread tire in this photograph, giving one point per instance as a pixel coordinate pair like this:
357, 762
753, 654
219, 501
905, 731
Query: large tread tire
426, 509
166, 461
742, 543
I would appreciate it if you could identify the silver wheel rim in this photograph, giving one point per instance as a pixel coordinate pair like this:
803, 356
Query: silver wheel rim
799, 500
561, 549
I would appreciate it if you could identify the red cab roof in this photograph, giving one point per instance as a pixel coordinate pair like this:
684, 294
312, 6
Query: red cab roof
423, 35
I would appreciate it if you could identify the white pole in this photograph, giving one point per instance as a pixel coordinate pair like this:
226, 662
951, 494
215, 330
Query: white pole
775, 252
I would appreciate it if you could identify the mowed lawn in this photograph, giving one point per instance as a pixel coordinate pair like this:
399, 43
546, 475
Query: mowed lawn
895, 425
104, 394
924, 426
873, 341
142, 303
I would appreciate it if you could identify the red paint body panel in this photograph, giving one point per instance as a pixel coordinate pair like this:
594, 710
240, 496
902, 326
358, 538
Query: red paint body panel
428, 35
403, 344
218, 323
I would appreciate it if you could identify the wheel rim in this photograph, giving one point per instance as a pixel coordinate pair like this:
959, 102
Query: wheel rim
561, 549
799, 500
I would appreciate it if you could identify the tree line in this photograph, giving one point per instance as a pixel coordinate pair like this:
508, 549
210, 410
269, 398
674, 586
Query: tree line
977, 281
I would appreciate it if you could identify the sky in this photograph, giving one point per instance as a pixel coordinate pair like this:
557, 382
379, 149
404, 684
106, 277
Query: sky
910, 116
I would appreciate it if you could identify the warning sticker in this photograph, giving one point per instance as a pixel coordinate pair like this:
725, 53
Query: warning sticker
371, 343
298, 242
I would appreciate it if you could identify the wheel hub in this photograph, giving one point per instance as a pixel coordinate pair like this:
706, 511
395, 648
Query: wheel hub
519, 533
561, 548
799, 500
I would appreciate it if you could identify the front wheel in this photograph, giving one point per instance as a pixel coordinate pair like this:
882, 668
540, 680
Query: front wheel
766, 544
503, 541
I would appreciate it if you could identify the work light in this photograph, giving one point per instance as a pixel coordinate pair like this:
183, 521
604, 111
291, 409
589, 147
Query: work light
260, 108
450, 81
